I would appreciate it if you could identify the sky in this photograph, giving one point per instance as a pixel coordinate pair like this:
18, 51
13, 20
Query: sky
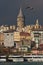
9, 10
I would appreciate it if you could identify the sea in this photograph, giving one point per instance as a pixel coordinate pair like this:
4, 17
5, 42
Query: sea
21, 63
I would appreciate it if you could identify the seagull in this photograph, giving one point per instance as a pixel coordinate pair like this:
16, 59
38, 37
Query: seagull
27, 7
30, 8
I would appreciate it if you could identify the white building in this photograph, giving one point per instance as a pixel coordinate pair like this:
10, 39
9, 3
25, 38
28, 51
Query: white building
8, 39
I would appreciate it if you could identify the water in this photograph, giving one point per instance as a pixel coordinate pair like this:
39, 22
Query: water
21, 63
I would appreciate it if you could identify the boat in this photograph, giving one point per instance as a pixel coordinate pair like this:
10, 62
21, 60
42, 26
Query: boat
19, 58
35, 58
16, 58
2, 60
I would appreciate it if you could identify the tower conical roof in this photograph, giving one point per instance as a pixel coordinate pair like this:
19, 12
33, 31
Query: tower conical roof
20, 13
37, 21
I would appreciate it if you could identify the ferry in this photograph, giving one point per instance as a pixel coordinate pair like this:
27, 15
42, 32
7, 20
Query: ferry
16, 58
28, 58
34, 58
2, 58
19, 58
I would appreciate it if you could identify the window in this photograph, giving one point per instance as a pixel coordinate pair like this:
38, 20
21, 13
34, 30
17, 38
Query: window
2, 43
7, 34
14, 44
11, 34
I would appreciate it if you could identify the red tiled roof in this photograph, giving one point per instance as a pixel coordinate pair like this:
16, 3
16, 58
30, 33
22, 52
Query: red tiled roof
24, 34
41, 45
9, 31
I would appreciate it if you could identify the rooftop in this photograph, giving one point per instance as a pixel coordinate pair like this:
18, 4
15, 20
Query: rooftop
20, 13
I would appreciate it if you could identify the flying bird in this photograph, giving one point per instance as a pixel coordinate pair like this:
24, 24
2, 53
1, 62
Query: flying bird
27, 7
31, 8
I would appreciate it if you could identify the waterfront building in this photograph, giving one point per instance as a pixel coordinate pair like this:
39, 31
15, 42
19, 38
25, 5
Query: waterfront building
19, 36
37, 32
16, 36
17, 40
1, 38
24, 35
8, 39
26, 39
22, 38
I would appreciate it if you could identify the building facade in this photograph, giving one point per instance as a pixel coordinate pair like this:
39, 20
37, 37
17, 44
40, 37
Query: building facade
1, 38
8, 39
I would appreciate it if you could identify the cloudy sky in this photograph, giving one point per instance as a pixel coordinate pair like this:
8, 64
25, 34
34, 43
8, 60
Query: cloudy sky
9, 10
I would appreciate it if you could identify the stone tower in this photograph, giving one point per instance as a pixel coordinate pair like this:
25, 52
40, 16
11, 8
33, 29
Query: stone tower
20, 19
37, 26
37, 23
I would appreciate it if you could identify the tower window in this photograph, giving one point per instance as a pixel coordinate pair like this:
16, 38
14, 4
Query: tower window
14, 44
8, 34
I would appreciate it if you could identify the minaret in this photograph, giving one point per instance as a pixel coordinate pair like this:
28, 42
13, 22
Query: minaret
37, 24
20, 19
